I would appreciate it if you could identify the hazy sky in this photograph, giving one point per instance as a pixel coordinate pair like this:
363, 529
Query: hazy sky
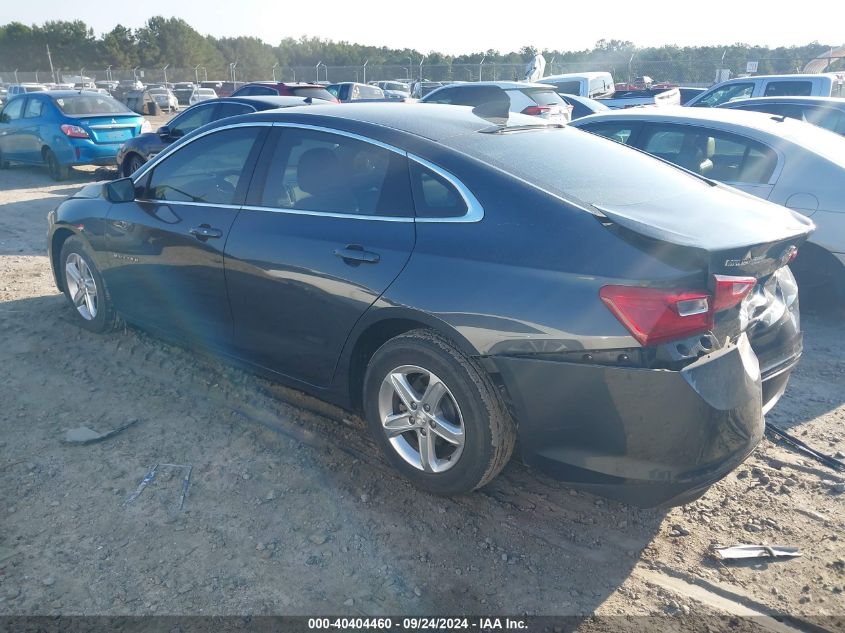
453, 26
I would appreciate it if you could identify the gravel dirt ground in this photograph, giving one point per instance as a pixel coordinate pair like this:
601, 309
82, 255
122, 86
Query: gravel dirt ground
291, 509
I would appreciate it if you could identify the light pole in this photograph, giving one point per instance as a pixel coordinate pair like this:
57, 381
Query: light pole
82, 77
275, 66
317, 69
135, 72
421, 63
16, 76
410, 63
480, 64
197, 74
164, 70
108, 72
36, 76
552, 64
232, 67
365, 70
205, 72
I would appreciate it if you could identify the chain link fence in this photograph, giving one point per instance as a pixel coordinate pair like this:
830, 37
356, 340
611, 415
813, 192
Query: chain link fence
682, 72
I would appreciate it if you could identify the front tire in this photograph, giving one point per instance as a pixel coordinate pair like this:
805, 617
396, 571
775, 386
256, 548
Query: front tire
436, 415
131, 164
58, 172
85, 289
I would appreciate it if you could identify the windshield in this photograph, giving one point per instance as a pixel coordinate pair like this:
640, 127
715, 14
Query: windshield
81, 105
577, 165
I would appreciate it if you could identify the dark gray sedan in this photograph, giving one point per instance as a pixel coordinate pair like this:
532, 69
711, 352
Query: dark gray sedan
462, 282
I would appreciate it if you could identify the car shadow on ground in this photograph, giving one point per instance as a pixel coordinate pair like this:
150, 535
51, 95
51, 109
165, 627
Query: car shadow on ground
37, 176
291, 508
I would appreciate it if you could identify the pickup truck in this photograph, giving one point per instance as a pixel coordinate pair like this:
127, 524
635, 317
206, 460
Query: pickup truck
820, 85
600, 86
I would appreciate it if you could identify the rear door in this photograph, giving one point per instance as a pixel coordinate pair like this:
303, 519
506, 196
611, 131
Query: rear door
30, 130
327, 227
165, 248
10, 124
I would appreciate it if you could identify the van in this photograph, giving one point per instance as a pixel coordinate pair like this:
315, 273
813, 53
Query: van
594, 85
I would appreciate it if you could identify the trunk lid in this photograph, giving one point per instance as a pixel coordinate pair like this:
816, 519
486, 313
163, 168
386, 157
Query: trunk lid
727, 233
110, 128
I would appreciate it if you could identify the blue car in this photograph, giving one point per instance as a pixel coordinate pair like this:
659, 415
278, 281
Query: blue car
62, 128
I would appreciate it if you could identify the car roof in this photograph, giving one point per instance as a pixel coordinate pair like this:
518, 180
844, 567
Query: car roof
504, 85
431, 121
836, 102
587, 75
67, 93
289, 84
774, 129
263, 100
787, 76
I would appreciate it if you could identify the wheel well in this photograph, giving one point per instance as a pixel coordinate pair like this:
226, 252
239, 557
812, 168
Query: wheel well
124, 166
44, 150
370, 340
59, 238
820, 274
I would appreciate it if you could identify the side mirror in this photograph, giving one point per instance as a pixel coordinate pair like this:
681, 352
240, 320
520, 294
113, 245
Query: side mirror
121, 190
163, 131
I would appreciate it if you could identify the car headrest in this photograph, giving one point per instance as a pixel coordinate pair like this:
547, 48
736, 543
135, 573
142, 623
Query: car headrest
318, 169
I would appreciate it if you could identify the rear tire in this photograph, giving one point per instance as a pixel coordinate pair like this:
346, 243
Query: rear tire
84, 288
57, 171
459, 434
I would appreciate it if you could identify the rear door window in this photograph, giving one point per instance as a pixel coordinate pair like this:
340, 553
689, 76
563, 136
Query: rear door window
330, 173
712, 153
33, 108
208, 170
789, 89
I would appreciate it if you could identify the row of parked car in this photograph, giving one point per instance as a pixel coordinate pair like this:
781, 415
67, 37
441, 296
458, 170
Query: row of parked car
766, 156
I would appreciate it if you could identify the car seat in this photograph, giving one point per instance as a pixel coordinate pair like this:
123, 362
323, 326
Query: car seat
319, 173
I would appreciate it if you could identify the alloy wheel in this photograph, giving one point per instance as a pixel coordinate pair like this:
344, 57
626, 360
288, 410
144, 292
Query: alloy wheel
81, 286
421, 419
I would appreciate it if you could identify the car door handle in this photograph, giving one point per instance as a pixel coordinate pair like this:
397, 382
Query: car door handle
355, 254
204, 232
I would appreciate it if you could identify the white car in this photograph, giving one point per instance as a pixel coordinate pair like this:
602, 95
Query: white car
779, 159
19, 89
165, 99
593, 85
202, 94
534, 99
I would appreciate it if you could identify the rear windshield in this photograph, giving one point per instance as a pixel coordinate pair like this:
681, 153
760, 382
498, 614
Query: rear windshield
80, 105
577, 165
207, 92
543, 96
34, 89
314, 93
568, 87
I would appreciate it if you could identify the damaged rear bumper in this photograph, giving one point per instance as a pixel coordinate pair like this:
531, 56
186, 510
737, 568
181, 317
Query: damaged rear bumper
644, 436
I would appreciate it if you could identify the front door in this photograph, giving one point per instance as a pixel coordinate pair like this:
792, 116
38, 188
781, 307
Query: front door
165, 249
327, 227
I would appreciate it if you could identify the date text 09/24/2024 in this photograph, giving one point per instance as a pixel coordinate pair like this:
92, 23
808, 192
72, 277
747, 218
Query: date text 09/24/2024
419, 623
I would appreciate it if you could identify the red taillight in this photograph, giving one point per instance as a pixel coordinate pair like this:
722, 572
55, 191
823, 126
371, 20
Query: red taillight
74, 131
731, 290
536, 110
657, 315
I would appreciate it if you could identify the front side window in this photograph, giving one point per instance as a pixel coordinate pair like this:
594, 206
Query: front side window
727, 93
33, 108
319, 171
434, 196
789, 89
191, 120
207, 170
12, 111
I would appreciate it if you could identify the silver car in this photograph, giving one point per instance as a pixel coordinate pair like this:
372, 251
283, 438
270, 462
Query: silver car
782, 160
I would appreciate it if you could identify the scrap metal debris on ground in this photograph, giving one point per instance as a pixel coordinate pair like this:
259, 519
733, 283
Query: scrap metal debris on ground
151, 475
740, 552
84, 435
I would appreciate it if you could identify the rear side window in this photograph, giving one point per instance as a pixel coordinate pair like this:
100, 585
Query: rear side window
252, 91
33, 108
330, 173
789, 89
12, 111
828, 118
207, 170
434, 196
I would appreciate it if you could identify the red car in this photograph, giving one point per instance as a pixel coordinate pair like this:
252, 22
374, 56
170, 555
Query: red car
272, 88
